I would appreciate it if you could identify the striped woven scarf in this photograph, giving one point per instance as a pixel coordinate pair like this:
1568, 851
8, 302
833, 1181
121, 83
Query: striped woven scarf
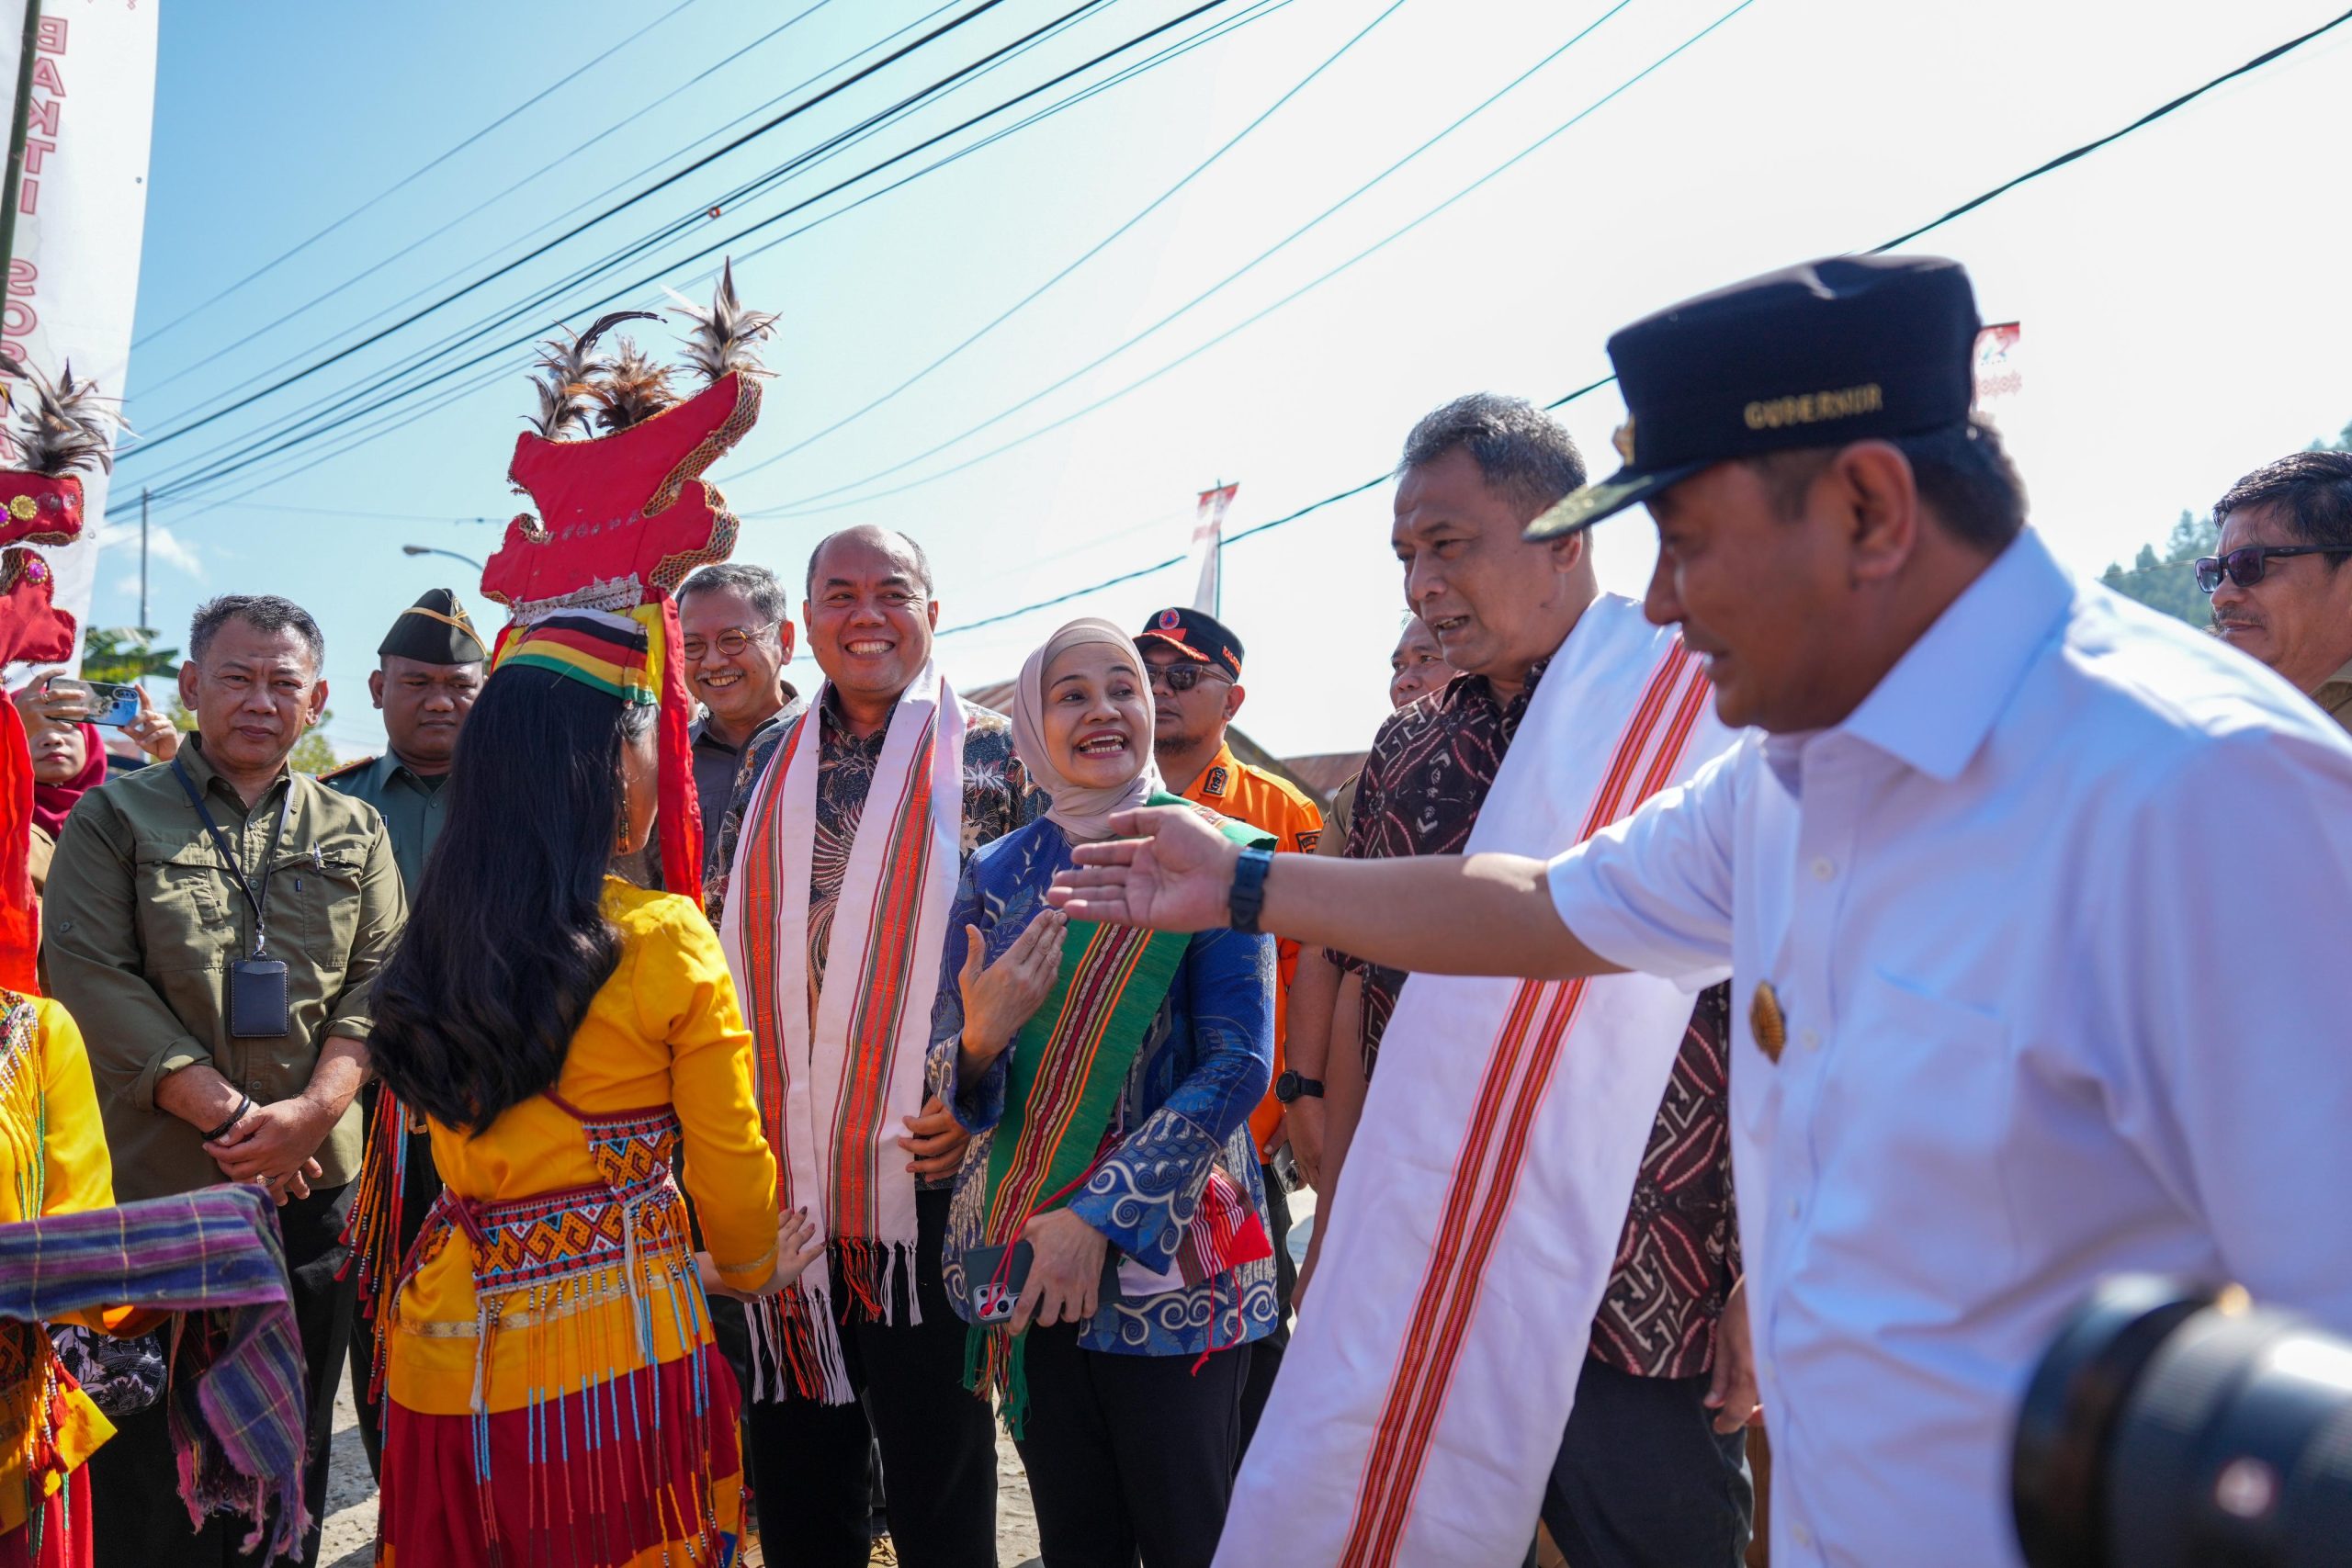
1064, 1071
236, 1402
835, 1073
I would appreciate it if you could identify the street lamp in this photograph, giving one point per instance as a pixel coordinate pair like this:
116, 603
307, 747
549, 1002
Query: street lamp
429, 550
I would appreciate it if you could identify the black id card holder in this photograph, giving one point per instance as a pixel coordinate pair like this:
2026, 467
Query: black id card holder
256, 984
257, 998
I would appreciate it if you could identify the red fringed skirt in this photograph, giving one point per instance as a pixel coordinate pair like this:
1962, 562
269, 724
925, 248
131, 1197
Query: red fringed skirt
64, 1530
640, 1470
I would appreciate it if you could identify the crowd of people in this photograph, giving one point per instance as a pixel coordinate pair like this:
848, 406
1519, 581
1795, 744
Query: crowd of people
1785, 995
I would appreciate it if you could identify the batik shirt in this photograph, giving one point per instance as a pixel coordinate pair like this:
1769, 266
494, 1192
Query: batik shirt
1183, 1111
1421, 790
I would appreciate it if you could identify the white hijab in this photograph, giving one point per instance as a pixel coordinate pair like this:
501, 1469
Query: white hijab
1082, 812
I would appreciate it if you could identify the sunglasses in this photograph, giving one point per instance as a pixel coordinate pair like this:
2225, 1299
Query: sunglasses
730, 642
2247, 567
1183, 677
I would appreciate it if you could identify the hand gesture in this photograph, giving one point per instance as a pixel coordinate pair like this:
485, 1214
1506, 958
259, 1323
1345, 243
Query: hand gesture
797, 1244
936, 1140
1175, 876
154, 732
295, 1183
1064, 1271
271, 1140
999, 998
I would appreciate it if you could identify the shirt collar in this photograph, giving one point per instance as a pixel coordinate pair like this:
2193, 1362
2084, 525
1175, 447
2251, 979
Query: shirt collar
201, 770
1934, 708
700, 730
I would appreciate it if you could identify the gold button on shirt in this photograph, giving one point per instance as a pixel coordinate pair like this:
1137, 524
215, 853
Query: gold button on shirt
141, 920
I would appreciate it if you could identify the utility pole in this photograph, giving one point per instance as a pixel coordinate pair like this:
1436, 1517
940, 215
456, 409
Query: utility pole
17, 125
143, 558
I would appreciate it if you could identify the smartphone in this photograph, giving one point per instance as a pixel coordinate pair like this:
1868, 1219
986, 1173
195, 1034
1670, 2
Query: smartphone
103, 702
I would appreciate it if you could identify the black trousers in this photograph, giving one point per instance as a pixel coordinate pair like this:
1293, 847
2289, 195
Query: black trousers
1644, 1480
809, 1461
1266, 1355
1130, 1454
417, 1193
137, 1518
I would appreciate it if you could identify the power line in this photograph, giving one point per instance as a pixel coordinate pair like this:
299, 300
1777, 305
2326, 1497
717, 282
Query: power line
655, 103
1154, 205
412, 176
979, 9
1591, 386
1256, 11
320, 421
804, 505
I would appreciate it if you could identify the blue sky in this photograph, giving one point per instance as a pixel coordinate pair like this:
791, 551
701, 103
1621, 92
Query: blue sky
2182, 292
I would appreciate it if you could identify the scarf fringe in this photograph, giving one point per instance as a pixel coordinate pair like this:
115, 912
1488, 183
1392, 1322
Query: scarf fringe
793, 1331
373, 1232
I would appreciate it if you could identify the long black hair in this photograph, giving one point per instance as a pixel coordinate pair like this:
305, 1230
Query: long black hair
507, 941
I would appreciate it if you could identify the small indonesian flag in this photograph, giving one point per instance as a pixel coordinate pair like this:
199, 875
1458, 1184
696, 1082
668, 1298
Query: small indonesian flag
1998, 371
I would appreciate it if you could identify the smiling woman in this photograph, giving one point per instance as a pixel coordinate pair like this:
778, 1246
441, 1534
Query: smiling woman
1108, 1240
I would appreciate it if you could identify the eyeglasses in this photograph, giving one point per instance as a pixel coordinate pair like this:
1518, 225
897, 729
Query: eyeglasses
1183, 677
730, 642
2245, 566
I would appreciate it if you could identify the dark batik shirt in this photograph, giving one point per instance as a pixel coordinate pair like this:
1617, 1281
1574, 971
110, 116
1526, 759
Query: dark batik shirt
1422, 787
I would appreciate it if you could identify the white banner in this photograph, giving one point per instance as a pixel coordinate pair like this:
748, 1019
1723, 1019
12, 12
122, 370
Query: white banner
74, 275
1208, 544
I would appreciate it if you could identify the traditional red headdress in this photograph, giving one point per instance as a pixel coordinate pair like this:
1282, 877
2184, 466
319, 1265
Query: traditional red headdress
67, 426
623, 516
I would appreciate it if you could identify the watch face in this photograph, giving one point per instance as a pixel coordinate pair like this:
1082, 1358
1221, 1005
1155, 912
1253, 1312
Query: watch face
1286, 1087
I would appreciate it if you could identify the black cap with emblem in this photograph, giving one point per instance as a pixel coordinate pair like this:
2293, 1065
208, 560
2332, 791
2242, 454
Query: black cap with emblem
1197, 635
1851, 348
434, 630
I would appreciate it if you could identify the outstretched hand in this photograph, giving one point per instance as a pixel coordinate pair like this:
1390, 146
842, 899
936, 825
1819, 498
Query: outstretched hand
1175, 874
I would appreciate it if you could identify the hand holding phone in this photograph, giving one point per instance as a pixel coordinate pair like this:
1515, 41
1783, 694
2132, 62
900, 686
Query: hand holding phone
92, 702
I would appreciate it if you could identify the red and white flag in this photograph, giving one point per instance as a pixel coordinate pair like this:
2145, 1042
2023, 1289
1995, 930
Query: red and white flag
1208, 542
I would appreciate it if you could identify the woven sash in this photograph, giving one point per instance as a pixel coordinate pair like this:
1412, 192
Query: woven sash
1486, 1188
832, 1089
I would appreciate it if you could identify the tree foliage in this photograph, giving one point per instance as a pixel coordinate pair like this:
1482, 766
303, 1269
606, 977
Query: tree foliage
2168, 583
124, 654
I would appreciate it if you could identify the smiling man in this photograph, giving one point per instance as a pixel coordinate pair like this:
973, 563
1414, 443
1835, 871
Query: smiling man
2279, 587
1961, 873
215, 925
736, 636
839, 858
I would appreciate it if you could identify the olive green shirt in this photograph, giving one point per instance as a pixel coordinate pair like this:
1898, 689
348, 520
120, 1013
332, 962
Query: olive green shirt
2334, 694
411, 805
141, 920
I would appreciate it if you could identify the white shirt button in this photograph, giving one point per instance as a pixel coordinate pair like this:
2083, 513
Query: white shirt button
1812, 1039
1824, 868
1794, 1208
1801, 1536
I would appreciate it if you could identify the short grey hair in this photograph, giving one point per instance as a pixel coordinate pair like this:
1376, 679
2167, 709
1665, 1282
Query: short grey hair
1521, 452
761, 588
914, 551
264, 612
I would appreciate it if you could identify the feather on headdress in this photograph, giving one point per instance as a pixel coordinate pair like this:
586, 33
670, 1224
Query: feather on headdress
726, 337
68, 425
565, 370
632, 388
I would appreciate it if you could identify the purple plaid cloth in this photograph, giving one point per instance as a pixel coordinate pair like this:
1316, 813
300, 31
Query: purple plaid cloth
237, 1399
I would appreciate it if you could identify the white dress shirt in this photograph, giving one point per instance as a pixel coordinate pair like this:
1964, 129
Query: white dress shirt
2056, 919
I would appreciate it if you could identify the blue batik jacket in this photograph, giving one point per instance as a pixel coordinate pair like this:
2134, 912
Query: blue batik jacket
1184, 1110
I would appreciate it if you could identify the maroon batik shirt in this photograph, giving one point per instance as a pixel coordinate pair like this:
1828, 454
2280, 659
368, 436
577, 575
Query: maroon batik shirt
1423, 785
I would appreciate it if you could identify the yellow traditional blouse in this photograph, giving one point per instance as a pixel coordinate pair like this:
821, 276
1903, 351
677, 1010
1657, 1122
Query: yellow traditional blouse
665, 1031
52, 1161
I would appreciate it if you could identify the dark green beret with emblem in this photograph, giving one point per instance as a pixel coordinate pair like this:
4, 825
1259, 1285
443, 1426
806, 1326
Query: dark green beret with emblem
434, 630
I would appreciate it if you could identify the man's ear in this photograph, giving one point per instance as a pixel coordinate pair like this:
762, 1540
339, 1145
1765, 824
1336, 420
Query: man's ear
1233, 698
1877, 497
376, 689
187, 685
785, 636
931, 608
1567, 552
318, 704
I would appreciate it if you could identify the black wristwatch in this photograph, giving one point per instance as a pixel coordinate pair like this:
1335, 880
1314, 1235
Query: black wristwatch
1249, 895
1291, 1087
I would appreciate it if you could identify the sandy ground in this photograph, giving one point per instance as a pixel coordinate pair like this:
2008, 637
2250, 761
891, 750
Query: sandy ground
348, 1539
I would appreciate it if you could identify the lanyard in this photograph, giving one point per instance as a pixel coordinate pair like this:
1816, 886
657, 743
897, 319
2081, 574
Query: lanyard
257, 895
